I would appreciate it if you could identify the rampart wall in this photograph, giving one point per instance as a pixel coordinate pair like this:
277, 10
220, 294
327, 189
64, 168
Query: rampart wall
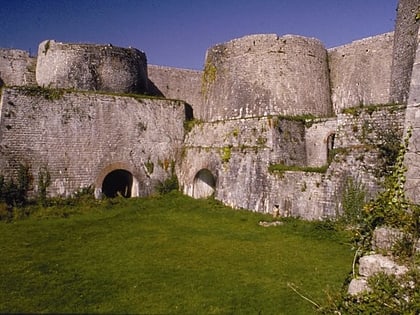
360, 72
238, 154
16, 68
91, 67
79, 136
412, 157
181, 84
405, 47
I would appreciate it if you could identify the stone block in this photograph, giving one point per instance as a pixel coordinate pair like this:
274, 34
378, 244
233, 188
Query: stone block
384, 238
373, 264
358, 286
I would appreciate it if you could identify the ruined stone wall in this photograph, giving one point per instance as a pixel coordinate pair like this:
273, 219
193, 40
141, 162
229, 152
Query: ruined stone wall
261, 75
405, 46
16, 68
360, 72
181, 84
238, 154
80, 137
91, 67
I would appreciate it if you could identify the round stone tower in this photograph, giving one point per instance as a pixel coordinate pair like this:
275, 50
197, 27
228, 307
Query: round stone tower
261, 75
91, 67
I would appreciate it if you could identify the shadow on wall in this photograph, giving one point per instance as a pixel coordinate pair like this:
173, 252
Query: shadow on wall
153, 90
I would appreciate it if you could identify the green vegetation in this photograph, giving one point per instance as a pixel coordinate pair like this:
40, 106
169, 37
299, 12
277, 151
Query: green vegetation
13, 193
150, 166
225, 154
38, 91
370, 109
306, 119
166, 254
46, 47
389, 294
281, 168
44, 180
190, 124
209, 76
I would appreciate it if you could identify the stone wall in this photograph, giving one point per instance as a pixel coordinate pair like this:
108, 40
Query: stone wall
16, 68
412, 157
81, 137
180, 84
91, 67
360, 72
237, 155
405, 46
261, 75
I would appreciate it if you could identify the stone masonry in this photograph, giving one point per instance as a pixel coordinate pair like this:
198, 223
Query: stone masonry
272, 123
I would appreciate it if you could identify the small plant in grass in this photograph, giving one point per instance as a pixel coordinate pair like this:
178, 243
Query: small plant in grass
388, 295
353, 201
168, 185
44, 181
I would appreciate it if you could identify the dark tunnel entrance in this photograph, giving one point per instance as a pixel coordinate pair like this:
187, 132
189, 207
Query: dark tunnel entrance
118, 182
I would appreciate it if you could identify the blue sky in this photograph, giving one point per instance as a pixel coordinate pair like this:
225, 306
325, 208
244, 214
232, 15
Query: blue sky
178, 32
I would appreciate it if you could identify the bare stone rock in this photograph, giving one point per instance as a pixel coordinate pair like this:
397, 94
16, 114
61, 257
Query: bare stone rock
358, 286
384, 238
267, 224
372, 264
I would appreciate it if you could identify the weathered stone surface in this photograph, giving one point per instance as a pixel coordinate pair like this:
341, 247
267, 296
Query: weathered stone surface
405, 46
412, 157
372, 264
81, 137
260, 75
360, 72
384, 238
91, 67
181, 84
358, 286
248, 98
16, 68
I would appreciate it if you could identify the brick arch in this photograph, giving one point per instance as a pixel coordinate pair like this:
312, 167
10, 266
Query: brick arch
135, 185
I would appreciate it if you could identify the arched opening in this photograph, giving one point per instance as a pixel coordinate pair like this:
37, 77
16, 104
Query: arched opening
118, 182
204, 184
330, 146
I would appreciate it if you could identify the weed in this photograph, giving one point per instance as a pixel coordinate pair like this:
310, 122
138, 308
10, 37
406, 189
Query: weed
225, 154
281, 168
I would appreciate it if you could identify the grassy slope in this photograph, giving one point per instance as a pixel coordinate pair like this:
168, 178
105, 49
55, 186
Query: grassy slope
170, 254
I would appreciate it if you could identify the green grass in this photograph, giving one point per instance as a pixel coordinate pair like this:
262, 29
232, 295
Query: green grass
166, 255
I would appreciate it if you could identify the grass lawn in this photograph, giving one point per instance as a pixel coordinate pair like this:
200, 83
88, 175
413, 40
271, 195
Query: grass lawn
166, 255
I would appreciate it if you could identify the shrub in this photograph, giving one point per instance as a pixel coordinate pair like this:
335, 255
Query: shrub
168, 185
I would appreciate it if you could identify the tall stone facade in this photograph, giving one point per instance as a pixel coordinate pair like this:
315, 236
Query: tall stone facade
405, 47
272, 123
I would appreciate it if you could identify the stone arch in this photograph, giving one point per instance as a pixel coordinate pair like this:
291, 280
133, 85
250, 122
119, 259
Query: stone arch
204, 184
330, 144
117, 178
118, 182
